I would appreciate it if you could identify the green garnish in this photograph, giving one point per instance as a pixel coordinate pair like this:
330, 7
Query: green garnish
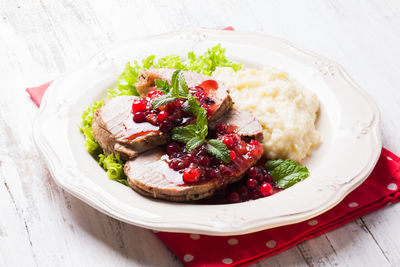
114, 167
206, 64
193, 135
286, 173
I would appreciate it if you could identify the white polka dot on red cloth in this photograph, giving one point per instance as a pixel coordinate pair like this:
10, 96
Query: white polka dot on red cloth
227, 261
188, 257
232, 241
389, 158
392, 186
271, 244
195, 236
312, 222
353, 204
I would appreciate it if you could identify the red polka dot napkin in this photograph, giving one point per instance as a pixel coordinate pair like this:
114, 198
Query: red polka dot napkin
380, 189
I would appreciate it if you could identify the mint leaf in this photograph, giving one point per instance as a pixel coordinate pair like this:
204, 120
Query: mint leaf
270, 165
175, 83
162, 86
182, 134
193, 143
286, 173
162, 100
292, 179
219, 150
195, 107
183, 87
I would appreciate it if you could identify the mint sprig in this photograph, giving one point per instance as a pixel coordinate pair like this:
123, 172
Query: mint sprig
193, 135
286, 173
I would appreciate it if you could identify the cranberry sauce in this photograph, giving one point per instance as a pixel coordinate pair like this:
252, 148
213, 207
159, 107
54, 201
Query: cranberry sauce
256, 183
172, 114
198, 166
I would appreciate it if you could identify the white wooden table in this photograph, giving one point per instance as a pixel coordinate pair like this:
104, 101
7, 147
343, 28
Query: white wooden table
41, 225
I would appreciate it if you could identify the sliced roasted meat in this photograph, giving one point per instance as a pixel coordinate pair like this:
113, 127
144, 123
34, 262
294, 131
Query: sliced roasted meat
216, 90
151, 175
117, 133
239, 122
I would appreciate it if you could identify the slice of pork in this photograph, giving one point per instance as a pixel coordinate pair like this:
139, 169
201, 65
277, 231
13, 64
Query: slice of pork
151, 176
244, 124
117, 133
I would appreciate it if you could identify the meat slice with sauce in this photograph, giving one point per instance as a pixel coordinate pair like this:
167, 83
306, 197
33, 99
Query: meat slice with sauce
117, 133
151, 175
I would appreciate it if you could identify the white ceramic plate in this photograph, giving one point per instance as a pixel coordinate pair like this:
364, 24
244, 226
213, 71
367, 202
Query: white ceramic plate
348, 122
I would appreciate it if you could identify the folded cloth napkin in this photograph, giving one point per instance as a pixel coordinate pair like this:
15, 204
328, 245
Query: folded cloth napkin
379, 189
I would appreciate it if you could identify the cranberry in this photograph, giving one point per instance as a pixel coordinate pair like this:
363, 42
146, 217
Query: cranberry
253, 172
166, 126
267, 178
229, 142
221, 128
191, 175
174, 164
201, 95
255, 194
139, 117
213, 173
209, 101
252, 183
138, 105
243, 190
204, 160
233, 155
154, 94
260, 178
152, 118
233, 197
241, 149
254, 142
266, 189
172, 148
226, 171
162, 116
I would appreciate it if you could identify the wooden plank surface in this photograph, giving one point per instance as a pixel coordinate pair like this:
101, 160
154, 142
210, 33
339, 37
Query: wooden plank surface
42, 225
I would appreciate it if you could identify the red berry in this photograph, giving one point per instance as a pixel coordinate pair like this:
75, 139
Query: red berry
253, 172
154, 94
204, 160
267, 178
233, 197
162, 116
152, 118
229, 142
243, 190
252, 183
138, 105
191, 175
233, 155
172, 148
254, 142
139, 117
221, 128
266, 189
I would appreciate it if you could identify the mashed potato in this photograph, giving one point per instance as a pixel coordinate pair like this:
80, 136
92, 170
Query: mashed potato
285, 110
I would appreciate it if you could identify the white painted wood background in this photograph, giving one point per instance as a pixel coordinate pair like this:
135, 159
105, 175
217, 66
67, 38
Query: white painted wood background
41, 225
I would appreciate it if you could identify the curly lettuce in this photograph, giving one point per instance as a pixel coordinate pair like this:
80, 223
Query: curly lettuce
114, 167
206, 64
